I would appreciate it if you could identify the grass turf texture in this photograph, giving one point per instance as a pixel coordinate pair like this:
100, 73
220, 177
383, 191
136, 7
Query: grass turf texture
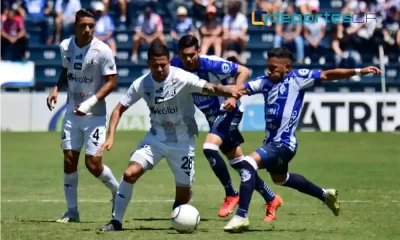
361, 166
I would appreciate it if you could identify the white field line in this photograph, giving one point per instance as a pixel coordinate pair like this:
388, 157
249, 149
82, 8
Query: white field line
145, 201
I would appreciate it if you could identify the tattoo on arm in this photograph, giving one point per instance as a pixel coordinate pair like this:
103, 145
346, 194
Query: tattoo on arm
217, 90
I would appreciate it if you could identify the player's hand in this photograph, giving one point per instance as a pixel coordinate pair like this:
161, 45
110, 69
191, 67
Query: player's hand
107, 145
78, 112
230, 104
370, 69
52, 99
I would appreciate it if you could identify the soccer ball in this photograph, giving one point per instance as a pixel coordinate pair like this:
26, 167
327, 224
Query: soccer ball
185, 218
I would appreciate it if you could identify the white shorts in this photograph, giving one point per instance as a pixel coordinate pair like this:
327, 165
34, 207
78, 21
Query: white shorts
88, 130
180, 157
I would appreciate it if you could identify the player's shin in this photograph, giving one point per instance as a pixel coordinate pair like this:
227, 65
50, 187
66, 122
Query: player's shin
219, 168
261, 186
71, 191
301, 184
108, 179
122, 199
247, 186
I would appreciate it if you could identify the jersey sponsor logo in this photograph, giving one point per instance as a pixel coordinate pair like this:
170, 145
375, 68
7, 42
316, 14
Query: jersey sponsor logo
201, 100
303, 72
80, 79
163, 111
272, 110
78, 66
226, 68
79, 57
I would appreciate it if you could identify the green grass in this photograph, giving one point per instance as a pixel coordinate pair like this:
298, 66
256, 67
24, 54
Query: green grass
361, 166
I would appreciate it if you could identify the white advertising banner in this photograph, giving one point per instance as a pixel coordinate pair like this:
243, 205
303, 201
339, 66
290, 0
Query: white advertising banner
326, 112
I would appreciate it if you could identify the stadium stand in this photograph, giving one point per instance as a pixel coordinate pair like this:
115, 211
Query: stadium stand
260, 38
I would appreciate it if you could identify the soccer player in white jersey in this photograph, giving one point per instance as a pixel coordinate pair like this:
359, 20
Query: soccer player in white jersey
283, 90
90, 74
168, 92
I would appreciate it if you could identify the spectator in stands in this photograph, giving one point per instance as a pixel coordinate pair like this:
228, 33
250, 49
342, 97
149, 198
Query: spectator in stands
270, 6
13, 37
37, 12
172, 6
289, 34
65, 18
314, 33
104, 29
304, 5
391, 30
211, 32
199, 8
361, 31
123, 11
345, 54
149, 29
182, 26
235, 28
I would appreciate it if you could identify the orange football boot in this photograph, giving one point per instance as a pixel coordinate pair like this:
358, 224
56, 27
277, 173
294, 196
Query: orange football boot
271, 208
228, 206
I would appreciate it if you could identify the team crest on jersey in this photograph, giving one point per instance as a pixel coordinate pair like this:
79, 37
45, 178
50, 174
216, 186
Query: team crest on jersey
303, 72
90, 62
225, 67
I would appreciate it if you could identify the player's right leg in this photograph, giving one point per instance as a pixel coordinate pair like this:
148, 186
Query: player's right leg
72, 141
144, 158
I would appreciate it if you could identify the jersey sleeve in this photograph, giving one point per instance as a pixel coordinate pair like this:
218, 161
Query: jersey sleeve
107, 62
225, 68
255, 85
132, 95
193, 83
63, 51
306, 78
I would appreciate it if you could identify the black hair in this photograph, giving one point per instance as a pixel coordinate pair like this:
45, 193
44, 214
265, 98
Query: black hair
280, 53
84, 12
188, 41
157, 49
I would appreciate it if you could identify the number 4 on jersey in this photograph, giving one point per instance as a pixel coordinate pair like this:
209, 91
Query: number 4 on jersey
96, 135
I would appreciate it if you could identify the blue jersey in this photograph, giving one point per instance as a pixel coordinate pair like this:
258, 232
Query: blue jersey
283, 103
215, 70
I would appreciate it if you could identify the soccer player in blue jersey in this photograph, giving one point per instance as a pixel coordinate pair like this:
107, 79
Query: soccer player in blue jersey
283, 89
223, 116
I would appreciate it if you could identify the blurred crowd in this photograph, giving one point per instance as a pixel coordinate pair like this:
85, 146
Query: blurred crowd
221, 25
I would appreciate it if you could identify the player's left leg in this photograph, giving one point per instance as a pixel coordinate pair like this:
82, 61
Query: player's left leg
95, 135
236, 157
180, 158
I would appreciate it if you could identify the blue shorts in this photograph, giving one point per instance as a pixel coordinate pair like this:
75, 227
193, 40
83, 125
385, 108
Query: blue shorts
226, 126
275, 157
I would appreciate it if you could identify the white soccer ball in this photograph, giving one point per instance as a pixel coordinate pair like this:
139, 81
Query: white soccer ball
185, 218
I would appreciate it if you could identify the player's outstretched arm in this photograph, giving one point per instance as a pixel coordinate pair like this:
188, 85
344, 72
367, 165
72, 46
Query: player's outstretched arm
339, 73
224, 91
62, 81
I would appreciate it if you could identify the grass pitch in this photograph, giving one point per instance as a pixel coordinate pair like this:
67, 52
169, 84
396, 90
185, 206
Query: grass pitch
365, 168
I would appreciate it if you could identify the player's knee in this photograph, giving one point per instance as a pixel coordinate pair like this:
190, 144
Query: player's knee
211, 152
70, 161
94, 165
280, 179
133, 173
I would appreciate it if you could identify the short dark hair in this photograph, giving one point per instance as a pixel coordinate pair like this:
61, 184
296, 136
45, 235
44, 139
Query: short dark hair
280, 53
84, 12
157, 49
188, 41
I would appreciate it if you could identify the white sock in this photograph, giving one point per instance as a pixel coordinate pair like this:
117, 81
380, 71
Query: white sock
108, 179
122, 200
71, 191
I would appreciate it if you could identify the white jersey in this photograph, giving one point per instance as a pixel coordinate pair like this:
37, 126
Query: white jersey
170, 103
86, 68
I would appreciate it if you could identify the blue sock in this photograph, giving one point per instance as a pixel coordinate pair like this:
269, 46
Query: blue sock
264, 190
301, 184
261, 186
247, 186
220, 169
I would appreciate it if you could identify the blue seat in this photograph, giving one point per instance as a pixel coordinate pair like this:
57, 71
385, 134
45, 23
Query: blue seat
44, 53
